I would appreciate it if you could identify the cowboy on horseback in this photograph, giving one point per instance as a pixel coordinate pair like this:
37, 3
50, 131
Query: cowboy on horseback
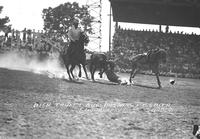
75, 55
74, 35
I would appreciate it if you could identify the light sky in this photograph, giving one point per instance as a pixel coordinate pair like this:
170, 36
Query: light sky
28, 13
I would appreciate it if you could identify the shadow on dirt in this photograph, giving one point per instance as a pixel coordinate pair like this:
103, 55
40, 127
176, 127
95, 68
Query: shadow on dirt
146, 86
106, 83
73, 81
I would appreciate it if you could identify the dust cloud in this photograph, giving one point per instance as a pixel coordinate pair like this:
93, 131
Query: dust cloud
39, 63
36, 63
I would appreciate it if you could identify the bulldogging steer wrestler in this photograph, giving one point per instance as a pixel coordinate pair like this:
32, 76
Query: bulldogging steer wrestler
111, 75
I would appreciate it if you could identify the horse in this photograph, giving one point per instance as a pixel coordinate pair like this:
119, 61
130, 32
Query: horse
77, 57
152, 59
97, 61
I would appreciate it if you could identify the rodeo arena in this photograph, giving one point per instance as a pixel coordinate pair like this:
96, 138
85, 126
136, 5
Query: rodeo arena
146, 86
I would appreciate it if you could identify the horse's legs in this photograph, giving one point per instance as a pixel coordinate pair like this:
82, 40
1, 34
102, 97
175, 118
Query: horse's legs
133, 73
84, 68
68, 72
102, 69
91, 71
158, 80
80, 73
71, 70
156, 71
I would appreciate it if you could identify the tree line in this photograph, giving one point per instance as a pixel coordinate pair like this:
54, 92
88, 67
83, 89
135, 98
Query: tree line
58, 19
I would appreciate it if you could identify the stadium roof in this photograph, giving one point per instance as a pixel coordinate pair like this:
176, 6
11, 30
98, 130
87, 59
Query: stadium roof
162, 12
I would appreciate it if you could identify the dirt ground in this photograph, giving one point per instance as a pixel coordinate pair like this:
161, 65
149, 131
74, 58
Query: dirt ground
34, 106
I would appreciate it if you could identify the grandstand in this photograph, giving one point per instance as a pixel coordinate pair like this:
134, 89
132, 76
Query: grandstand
30, 40
183, 49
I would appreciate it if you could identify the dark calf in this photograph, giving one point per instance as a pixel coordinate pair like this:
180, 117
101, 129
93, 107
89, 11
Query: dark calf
98, 61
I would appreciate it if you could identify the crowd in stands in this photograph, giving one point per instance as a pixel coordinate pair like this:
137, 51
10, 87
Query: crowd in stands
183, 50
27, 40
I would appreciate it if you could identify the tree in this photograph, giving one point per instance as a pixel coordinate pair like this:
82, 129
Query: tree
3, 21
59, 19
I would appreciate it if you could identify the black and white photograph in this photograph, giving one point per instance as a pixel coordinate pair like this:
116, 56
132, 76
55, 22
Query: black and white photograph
100, 69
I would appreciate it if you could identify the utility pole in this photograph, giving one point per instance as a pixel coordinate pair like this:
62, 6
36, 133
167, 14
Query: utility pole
110, 31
